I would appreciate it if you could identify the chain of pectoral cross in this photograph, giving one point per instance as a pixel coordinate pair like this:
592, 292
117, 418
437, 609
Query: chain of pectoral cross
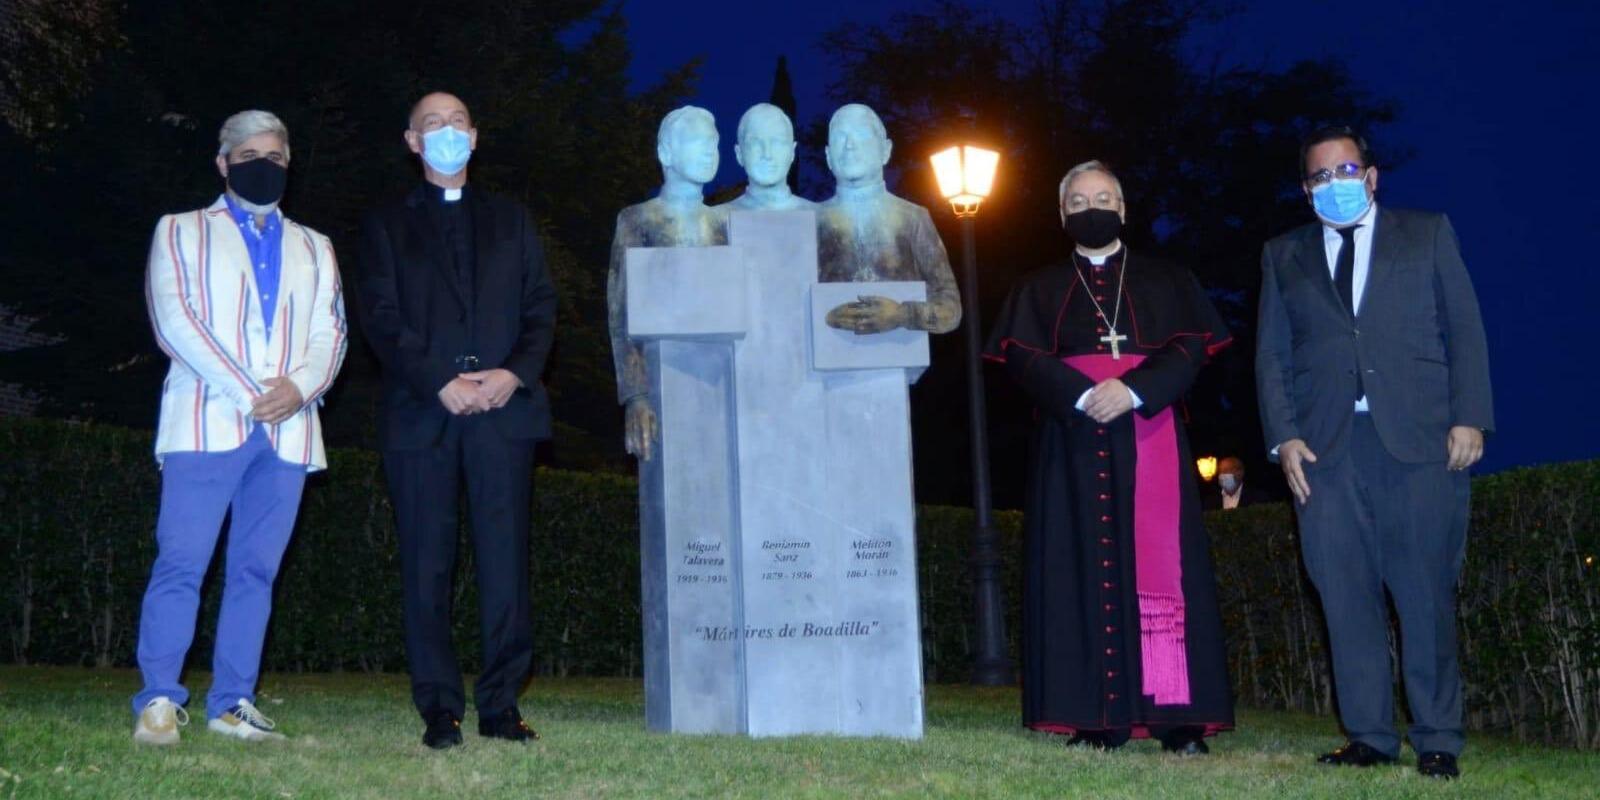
1111, 337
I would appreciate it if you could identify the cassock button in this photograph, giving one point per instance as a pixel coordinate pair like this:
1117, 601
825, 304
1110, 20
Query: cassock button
1109, 606
1104, 454
1104, 476
1111, 696
1111, 673
1105, 518
1107, 543
1111, 651
1101, 431
1104, 497
1105, 584
1111, 629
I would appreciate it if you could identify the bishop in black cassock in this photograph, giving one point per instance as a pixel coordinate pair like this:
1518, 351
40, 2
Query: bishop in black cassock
1122, 636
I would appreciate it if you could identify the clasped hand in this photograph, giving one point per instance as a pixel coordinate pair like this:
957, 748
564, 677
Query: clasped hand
280, 402
1108, 400
477, 392
868, 314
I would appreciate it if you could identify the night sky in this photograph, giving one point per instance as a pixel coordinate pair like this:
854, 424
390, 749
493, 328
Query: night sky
1497, 104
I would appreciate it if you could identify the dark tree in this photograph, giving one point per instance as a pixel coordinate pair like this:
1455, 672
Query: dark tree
783, 97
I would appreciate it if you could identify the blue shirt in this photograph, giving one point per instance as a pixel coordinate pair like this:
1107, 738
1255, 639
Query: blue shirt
266, 255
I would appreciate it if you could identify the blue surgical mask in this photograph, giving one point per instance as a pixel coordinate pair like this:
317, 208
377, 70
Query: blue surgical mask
1341, 201
1229, 483
447, 149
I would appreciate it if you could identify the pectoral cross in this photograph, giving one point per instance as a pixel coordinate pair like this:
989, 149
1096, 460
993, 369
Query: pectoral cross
1114, 338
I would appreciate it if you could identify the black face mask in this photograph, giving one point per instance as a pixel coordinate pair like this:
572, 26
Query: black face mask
258, 180
1094, 228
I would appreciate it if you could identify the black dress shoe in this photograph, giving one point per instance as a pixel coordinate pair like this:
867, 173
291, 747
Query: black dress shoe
506, 725
1186, 741
1096, 740
1438, 765
1355, 754
443, 731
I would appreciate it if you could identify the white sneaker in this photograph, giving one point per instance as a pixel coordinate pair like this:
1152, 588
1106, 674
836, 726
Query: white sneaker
159, 722
244, 721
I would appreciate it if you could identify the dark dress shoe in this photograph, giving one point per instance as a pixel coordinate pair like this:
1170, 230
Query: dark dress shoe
443, 731
1355, 754
506, 725
1438, 765
1097, 740
1186, 741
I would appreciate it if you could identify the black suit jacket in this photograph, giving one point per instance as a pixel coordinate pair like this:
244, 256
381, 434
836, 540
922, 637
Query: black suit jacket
417, 320
1418, 340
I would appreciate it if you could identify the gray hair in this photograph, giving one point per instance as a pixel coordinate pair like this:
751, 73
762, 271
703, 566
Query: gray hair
1087, 166
678, 116
245, 124
744, 121
877, 123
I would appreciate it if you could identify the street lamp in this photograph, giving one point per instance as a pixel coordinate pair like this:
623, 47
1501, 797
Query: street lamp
1207, 466
966, 176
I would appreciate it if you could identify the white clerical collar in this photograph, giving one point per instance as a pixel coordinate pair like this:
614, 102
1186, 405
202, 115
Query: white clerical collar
452, 195
1100, 261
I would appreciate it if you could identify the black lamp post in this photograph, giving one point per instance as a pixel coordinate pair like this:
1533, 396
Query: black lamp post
966, 175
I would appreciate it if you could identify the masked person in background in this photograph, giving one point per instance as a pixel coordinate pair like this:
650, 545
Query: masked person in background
1122, 636
1231, 490
248, 306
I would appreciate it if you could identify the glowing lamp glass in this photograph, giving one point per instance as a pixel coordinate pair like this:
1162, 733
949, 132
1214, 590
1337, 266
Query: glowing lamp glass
965, 175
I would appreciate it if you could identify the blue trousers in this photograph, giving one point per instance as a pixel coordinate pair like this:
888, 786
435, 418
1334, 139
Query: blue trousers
197, 491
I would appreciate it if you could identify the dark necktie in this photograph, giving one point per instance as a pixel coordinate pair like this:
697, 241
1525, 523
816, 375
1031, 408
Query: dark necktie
1344, 272
1344, 277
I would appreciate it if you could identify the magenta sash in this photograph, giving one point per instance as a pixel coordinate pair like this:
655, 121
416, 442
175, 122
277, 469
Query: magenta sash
1155, 540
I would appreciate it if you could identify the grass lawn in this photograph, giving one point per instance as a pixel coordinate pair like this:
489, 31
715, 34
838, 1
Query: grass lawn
66, 733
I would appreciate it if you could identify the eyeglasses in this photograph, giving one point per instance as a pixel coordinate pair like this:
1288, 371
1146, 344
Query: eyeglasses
1349, 169
1078, 202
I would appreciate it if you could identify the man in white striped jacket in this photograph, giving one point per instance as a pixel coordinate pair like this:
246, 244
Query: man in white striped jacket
249, 307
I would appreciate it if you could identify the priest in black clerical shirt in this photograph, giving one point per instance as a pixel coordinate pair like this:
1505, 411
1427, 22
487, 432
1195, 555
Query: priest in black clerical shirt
1122, 636
457, 304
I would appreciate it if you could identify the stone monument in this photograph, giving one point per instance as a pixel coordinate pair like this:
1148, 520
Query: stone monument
673, 360
777, 514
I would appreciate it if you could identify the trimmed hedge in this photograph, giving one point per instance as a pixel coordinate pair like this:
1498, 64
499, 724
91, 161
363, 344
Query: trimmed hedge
80, 501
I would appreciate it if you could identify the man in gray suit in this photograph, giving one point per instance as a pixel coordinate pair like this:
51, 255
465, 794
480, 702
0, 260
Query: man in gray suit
1373, 376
